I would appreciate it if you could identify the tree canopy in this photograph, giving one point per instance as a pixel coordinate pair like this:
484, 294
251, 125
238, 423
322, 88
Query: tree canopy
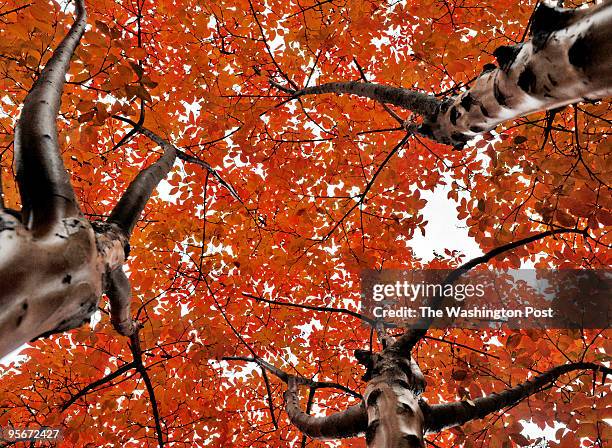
245, 265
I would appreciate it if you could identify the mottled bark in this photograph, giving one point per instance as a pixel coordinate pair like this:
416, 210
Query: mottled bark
52, 262
55, 264
392, 414
51, 283
568, 59
395, 383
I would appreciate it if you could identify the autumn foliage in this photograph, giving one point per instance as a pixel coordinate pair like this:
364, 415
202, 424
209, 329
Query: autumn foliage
278, 201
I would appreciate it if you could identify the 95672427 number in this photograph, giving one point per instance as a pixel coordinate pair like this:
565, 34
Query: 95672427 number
13, 434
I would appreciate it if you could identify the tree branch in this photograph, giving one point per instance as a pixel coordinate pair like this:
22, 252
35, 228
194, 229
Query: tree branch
270, 399
386, 107
108, 378
127, 211
285, 377
142, 370
408, 340
46, 192
327, 309
181, 154
443, 416
418, 102
348, 423
119, 295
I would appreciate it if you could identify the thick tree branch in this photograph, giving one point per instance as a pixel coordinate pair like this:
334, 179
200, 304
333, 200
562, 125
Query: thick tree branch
46, 192
348, 423
127, 211
385, 106
567, 60
119, 295
418, 102
443, 416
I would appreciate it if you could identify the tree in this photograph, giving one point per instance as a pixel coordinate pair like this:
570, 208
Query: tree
244, 277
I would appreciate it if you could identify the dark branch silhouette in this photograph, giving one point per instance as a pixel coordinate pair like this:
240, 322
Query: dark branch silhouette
406, 342
182, 155
127, 211
142, 370
328, 309
418, 102
92, 386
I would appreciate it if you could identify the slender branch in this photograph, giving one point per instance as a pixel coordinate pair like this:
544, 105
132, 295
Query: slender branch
309, 403
181, 154
10, 11
142, 370
147, 380
418, 102
264, 374
127, 137
458, 344
286, 377
443, 416
408, 340
327, 309
108, 378
46, 192
369, 185
348, 423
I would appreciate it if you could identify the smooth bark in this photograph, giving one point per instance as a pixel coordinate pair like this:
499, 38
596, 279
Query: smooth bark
448, 415
46, 193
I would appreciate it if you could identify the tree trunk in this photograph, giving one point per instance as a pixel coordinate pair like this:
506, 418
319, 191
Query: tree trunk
52, 283
395, 382
395, 419
55, 264
567, 60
